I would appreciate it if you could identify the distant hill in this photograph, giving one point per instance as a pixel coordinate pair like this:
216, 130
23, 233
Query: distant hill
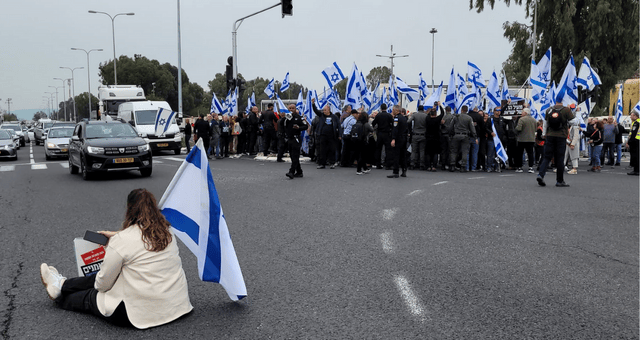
26, 114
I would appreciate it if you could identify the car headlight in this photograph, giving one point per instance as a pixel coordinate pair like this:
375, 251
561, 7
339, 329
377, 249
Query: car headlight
143, 148
51, 145
7, 147
95, 150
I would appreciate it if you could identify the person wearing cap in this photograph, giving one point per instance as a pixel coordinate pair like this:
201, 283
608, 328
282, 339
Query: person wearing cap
497, 121
399, 143
555, 132
526, 135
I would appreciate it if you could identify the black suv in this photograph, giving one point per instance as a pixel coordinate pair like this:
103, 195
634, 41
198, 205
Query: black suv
98, 146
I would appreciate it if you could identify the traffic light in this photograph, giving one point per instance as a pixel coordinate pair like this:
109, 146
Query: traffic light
229, 74
241, 83
287, 7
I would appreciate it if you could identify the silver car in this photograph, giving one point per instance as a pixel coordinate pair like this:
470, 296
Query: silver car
57, 142
14, 136
24, 137
8, 148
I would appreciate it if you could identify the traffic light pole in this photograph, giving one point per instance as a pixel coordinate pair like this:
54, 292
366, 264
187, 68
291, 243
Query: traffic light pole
236, 25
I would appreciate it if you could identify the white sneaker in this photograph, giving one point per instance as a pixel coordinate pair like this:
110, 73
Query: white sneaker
359, 173
366, 171
52, 280
531, 170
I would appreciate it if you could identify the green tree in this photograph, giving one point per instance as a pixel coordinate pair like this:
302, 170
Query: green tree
9, 117
39, 115
604, 31
82, 105
377, 75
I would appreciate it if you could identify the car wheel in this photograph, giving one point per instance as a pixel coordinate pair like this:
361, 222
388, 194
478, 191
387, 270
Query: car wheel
22, 143
37, 142
177, 151
72, 168
146, 172
46, 156
83, 169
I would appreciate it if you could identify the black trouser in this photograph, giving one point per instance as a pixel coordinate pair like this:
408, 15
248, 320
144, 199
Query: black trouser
79, 295
554, 147
269, 137
187, 142
384, 140
608, 150
312, 148
459, 143
418, 146
539, 153
482, 154
205, 142
253, 136
282, 146
444, 151
242, 143
522, 146
347, 151
360, 153
294, 153
326, 150
633, 153
512, 152
399, 154
224, 145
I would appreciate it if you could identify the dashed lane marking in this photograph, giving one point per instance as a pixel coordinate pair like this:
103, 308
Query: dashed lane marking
174, 159
415, 192
476, 177
443, 182
507, 175
7, 168
409, 297
387, 242
157, 162
64, 165
388, 214
38, 166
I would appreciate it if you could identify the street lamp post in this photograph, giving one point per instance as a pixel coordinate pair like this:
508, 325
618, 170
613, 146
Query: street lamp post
88, 74
433, 40
392, 56
64, 104
57, 102
51, 102
75, 118
113, 32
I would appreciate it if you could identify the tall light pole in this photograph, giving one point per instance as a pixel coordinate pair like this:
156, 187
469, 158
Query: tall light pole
75, 118
113, 31
392, 56
64, 103
88, 74
433, 41
57, 102
9, 106
51, 98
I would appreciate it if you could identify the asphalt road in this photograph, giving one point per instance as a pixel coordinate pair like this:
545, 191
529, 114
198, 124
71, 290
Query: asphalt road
339, 256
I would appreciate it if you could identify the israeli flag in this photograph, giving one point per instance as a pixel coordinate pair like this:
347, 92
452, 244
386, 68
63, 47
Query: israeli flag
393, 92
231, 103
281, 107
544, 66
377, 100
505, 88
534, 111
587, 77
308, 108
285, 83
568, 89
434, 97
493, 92
500, 152
619, 106
164, 118
637, 108
353, 96
270, 89
251, 101
450, 99
424, 90
365, 94
536, 79
462, 92
300, 102
320, 104
412, 94
470, 98
192, 207
475, 74
333, 74
216, 107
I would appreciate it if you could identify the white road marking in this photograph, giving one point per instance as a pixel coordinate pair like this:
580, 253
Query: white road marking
415, 192
387, 243
157, 162
174, 159
409, 297
7, 168
476, 177
64, 165
443, 182
32, 162
507, 175
38, 166
388, 214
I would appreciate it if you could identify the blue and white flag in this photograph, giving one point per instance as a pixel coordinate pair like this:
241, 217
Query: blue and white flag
412, 94
536, 79
545, 102
493, 92
474, 74
192, 207
534, 111
544, 66
365, 94
450, 99
470, 98
500, 152
251, 102
619, 107
587, 77
270, 90
637, 108
320, 104
282, 109
164, 118
353, 93
462, 92
434, 97
216, 107
307, 110
285, 83
424, 90
231, 103
300, 102
376, 101
393, 91
567, 91
505, 88
333, 74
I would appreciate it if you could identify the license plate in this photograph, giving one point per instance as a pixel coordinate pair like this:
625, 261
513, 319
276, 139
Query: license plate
123, 160
163, 145
63, 150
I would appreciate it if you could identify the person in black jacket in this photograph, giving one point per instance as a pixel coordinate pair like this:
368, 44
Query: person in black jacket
293, 125
269, 121
327, 136
384, 122
187, 134
621, 131
201, 130
282, 142
399, 143
252, 130
478, 123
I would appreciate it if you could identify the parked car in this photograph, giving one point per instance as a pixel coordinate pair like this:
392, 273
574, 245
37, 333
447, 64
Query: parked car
24, 137
57, 142
100, 146
15, 137
8, 148
39, 132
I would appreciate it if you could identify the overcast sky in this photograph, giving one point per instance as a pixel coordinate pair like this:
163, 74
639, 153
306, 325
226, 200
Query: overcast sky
37, 37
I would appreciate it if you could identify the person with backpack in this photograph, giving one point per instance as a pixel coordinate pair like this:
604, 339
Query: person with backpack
555, 132
360, 132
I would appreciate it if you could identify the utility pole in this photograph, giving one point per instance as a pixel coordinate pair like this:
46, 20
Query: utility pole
391, 57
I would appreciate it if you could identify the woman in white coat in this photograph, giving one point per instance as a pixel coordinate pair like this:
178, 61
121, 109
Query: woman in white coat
141, 281
572, 150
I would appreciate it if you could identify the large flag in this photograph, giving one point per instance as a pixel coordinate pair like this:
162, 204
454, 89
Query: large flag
354, 96
216, 107
282, 109
534, 111
462, 92
470, 98
192, 207
333, 74
270, 89
587, 77
493, 92
393, 92
450, 99
285, 83
424, 90
376, 101
505, 88
251, 102
500, 152
300, 102
474, 74
231, 103
434, 97
412, 94
536, 79
567, 91
619, 105
544, 66
164, 118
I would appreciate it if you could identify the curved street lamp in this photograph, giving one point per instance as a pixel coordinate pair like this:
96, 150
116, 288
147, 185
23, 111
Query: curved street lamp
75, 118
88, 74
113, 32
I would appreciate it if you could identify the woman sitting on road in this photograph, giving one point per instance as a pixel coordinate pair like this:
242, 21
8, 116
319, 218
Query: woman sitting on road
140, 282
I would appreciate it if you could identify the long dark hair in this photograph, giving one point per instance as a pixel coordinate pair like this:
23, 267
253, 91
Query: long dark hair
142, 210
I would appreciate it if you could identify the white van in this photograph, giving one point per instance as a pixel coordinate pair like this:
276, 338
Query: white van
142, 116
